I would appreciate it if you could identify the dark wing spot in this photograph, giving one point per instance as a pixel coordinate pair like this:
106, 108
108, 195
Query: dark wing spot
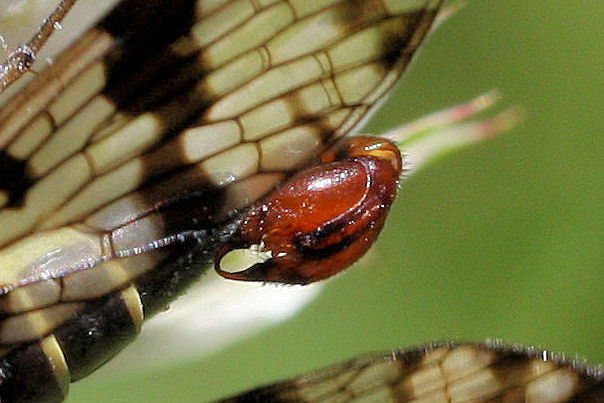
13, 178
397, 45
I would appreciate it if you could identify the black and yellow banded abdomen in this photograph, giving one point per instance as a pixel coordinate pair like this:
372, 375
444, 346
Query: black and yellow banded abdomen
161, 121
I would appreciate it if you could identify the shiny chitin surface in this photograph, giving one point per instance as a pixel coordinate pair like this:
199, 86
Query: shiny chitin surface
160, 121
444, 372
322, 220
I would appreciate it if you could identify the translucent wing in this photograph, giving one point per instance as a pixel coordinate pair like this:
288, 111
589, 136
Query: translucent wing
159, 121
444, 372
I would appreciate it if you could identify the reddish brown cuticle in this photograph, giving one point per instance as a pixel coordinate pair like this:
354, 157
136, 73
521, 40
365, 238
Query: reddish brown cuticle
323, 219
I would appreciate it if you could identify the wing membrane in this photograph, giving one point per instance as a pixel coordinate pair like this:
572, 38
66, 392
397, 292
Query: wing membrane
164, 124
448, 372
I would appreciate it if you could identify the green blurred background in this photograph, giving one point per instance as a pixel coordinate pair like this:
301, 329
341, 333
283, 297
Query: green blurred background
504, 240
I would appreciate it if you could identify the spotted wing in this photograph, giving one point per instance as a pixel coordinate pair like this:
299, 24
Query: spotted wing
160, 120
444, 372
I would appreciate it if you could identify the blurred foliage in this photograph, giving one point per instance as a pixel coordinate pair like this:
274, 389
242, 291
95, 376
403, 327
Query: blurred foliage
503, 240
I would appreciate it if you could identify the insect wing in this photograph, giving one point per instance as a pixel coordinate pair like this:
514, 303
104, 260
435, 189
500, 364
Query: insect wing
162, 119
444, 372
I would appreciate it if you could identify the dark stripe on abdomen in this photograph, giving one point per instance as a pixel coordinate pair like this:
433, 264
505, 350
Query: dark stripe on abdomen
31, 374
99, 331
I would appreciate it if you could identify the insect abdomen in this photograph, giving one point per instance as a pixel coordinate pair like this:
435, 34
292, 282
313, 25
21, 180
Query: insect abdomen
42, 370
139, 118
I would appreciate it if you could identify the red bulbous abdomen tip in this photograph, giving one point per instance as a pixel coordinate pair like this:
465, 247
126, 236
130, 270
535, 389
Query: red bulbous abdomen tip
321, 220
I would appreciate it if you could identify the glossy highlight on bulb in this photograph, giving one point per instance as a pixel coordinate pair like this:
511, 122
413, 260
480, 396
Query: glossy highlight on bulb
323, 219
